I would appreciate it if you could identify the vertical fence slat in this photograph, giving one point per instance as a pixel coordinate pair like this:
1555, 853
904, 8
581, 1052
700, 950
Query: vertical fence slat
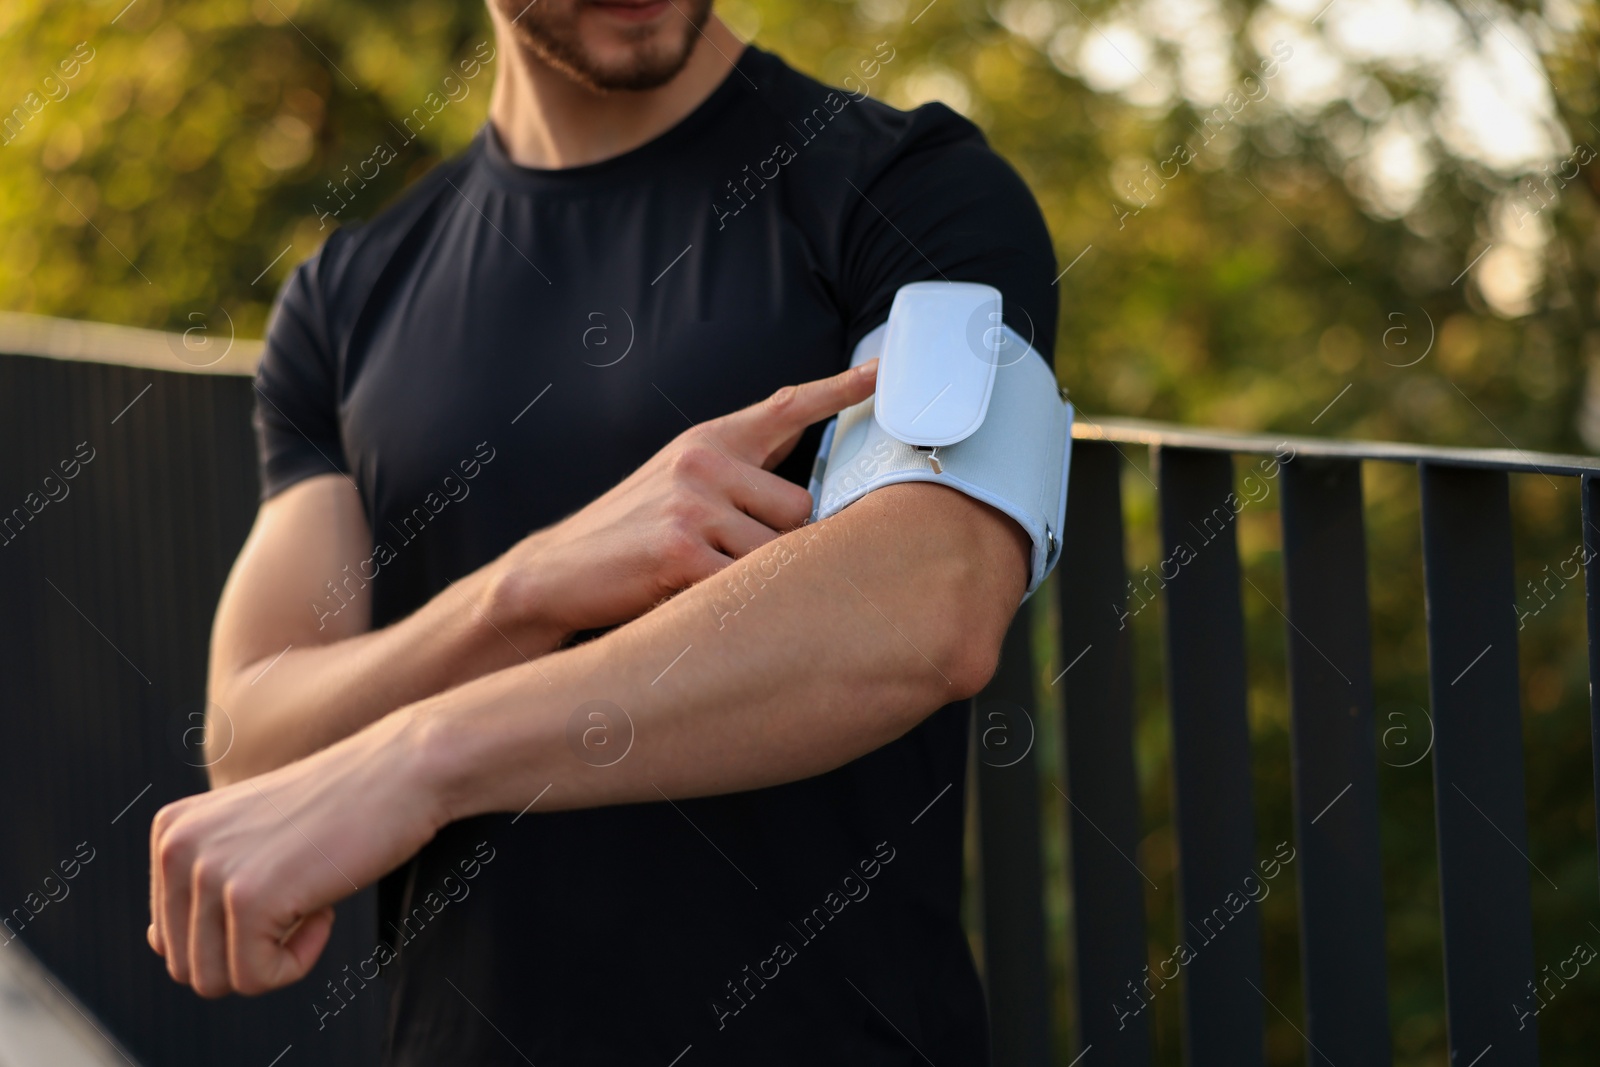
1339, 873
1095, 658
1589, 486
1211, 758
1484, 869
1015, 966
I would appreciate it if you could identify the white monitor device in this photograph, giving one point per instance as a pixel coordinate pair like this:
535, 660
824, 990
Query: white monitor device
963, 401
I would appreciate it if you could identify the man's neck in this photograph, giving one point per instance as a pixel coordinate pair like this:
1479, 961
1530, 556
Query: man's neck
547, 120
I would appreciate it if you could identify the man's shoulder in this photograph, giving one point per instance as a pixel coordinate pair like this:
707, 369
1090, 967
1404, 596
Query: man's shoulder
353, 257
852, 159
899, 196
829, 125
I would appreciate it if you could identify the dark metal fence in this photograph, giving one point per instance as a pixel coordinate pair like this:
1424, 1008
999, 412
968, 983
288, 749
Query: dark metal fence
108, 579
109, 575
1477, 757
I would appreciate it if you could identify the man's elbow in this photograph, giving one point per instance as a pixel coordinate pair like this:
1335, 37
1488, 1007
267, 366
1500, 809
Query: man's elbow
975, 606
972, 647
973, 669
213, 744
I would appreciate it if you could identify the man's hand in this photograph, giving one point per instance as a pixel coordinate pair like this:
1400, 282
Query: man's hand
706, 499
243, 879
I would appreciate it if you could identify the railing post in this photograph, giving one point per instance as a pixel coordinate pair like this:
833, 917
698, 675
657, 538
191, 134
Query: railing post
1095, 661
1015, 967
1590, 489
1477, 765
1212, 805
1335, 763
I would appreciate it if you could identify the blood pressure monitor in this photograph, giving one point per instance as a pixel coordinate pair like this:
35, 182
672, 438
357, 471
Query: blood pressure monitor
961, 401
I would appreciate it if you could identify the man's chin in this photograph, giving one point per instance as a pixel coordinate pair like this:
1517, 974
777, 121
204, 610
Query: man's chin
618, 46
615, 64
631, 70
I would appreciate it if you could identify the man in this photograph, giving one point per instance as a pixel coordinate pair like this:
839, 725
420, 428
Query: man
719, 832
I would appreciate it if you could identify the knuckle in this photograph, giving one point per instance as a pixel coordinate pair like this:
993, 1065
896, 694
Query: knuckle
680, 543
790, 504
687, 513
164, 820
690, 462
172, 851
207, 875
783, 399
240, 895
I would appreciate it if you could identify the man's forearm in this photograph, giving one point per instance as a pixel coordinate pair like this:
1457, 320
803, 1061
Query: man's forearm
821, 647
300, 701
832, 641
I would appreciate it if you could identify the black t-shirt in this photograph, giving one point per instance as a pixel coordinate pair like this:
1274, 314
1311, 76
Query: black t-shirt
499, 348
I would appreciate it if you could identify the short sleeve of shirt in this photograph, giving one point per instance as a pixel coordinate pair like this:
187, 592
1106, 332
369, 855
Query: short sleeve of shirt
943, 205
296, 386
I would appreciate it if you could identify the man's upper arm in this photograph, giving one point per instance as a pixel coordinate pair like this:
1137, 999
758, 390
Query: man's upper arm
292, 582
298, 434
941, 205
305, 542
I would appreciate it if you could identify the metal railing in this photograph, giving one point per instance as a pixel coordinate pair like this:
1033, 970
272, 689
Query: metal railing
1477, 755
109, 587
136, 484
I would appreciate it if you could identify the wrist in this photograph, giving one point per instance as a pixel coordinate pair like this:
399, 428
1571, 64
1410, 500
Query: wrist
465, 755
421, 750
515, 600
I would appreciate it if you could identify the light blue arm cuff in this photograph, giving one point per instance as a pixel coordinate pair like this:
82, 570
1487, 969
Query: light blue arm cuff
1016, 461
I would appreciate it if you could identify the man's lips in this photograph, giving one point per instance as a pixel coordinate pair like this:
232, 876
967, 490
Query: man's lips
632, 10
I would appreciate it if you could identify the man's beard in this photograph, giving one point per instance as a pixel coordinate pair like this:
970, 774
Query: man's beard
548, 30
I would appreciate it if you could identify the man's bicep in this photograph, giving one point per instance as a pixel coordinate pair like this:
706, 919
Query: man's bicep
298, 578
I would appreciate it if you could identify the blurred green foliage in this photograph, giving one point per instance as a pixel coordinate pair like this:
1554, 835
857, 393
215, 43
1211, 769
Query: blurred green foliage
1344, 263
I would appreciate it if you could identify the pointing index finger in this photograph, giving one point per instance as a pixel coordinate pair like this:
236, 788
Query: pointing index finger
773, 427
